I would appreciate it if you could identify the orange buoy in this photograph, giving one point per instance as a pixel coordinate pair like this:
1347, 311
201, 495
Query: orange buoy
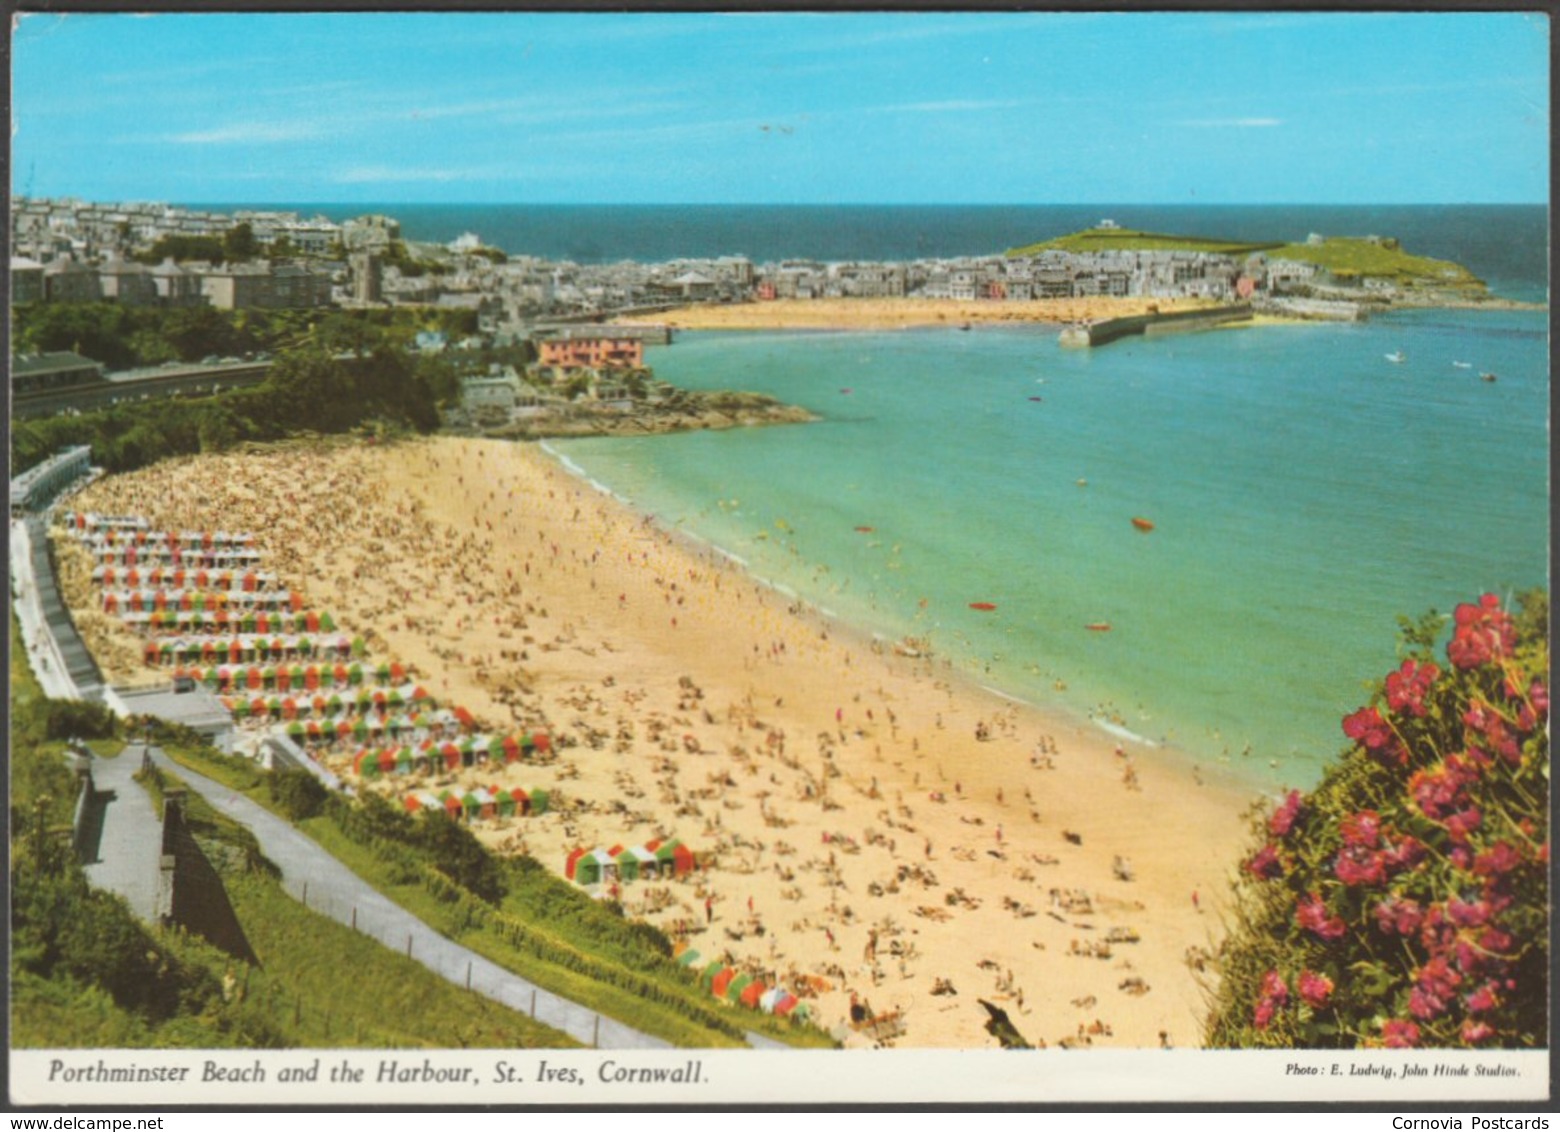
1143, 525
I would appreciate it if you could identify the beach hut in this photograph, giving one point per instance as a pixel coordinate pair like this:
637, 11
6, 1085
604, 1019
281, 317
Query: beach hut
450, 753
521, 800
675, 858
648, 867
627, 863
596, 867
541, 800
722, 982
471, 805
404, 760
386, 759
357, 645
736, 986
487, 803
753, 994
571, 861
788, 1003
711, 971
503, 802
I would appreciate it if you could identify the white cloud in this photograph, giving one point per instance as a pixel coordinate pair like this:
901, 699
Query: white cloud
1231, 123
251, 133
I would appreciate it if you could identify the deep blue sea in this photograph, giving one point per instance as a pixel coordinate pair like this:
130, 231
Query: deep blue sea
1305, 490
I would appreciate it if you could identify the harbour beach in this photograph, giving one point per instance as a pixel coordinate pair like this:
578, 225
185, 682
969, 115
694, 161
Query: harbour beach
868, 822
902, 313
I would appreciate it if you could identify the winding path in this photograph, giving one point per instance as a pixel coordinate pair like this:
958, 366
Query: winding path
328, 887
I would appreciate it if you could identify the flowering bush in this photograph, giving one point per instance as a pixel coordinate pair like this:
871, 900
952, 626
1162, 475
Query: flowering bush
1404, 901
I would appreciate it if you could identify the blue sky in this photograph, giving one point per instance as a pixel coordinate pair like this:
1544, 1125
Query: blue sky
784, 108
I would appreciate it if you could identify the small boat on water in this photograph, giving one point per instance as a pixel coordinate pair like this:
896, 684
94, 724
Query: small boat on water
865, 530
1037, 398
983, 606
1397, 357
1143, 525
1463, 365
1487, 377
1098, 626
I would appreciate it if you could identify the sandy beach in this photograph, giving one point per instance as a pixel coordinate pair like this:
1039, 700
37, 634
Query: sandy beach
872, 824
896, 314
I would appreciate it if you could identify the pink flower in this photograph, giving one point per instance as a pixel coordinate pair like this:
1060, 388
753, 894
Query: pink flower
1399, 1033
1314, 988
1399, 915
1362, 829
1539, 695
1462, 823
1468, 915
1266, 863
1368, 728
1356, 866
1283, 818
1274, 987
1475, 1032
1482, 999
1407, 686
1311, 914
1497, 860
1484, 633
1405, 854
1438, 978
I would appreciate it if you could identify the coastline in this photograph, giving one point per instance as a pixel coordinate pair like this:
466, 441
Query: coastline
819, 760
900, 314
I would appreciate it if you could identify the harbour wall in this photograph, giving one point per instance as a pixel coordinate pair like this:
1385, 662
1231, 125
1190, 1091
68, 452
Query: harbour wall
1174, 322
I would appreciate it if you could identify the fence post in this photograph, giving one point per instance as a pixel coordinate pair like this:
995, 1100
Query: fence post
305, 894
354, 917
468, 974
408, 945
533, 1002
595, 1037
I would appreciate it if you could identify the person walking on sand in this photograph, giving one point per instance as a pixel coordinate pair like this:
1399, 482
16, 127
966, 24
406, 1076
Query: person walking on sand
709, 909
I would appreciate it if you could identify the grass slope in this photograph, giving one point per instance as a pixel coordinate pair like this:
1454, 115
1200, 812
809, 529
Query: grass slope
1131, 240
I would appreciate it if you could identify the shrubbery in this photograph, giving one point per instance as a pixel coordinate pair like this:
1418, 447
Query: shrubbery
1404, 901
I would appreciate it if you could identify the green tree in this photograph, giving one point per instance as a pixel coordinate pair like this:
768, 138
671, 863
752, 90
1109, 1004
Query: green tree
239, 243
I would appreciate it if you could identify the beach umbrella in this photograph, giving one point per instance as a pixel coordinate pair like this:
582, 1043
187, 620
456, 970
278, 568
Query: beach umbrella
358, 645
521, 799
379, 697
540, 800
468, 752
382, 672
294, 599
355, 674
254, 623
311, 622
451, 755
451, 803
250, 582
153, 651
471, 804
313, 729
360, 730
240, 707
252, 677
311, 677
343, 729
328, 625
268, 675
397, 672
412, 803
386, 760
465, 718
295, 729
366, 764
503, 803
258, 706
511, 748
394, 698
284, 679
541, 742
340, 673
289, 708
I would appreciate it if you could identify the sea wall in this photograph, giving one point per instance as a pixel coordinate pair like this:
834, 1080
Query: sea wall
1108, 330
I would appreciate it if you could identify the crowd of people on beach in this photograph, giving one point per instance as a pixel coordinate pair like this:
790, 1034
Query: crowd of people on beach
871, 824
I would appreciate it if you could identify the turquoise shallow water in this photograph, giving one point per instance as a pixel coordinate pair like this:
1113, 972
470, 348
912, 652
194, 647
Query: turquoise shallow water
1304, 491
